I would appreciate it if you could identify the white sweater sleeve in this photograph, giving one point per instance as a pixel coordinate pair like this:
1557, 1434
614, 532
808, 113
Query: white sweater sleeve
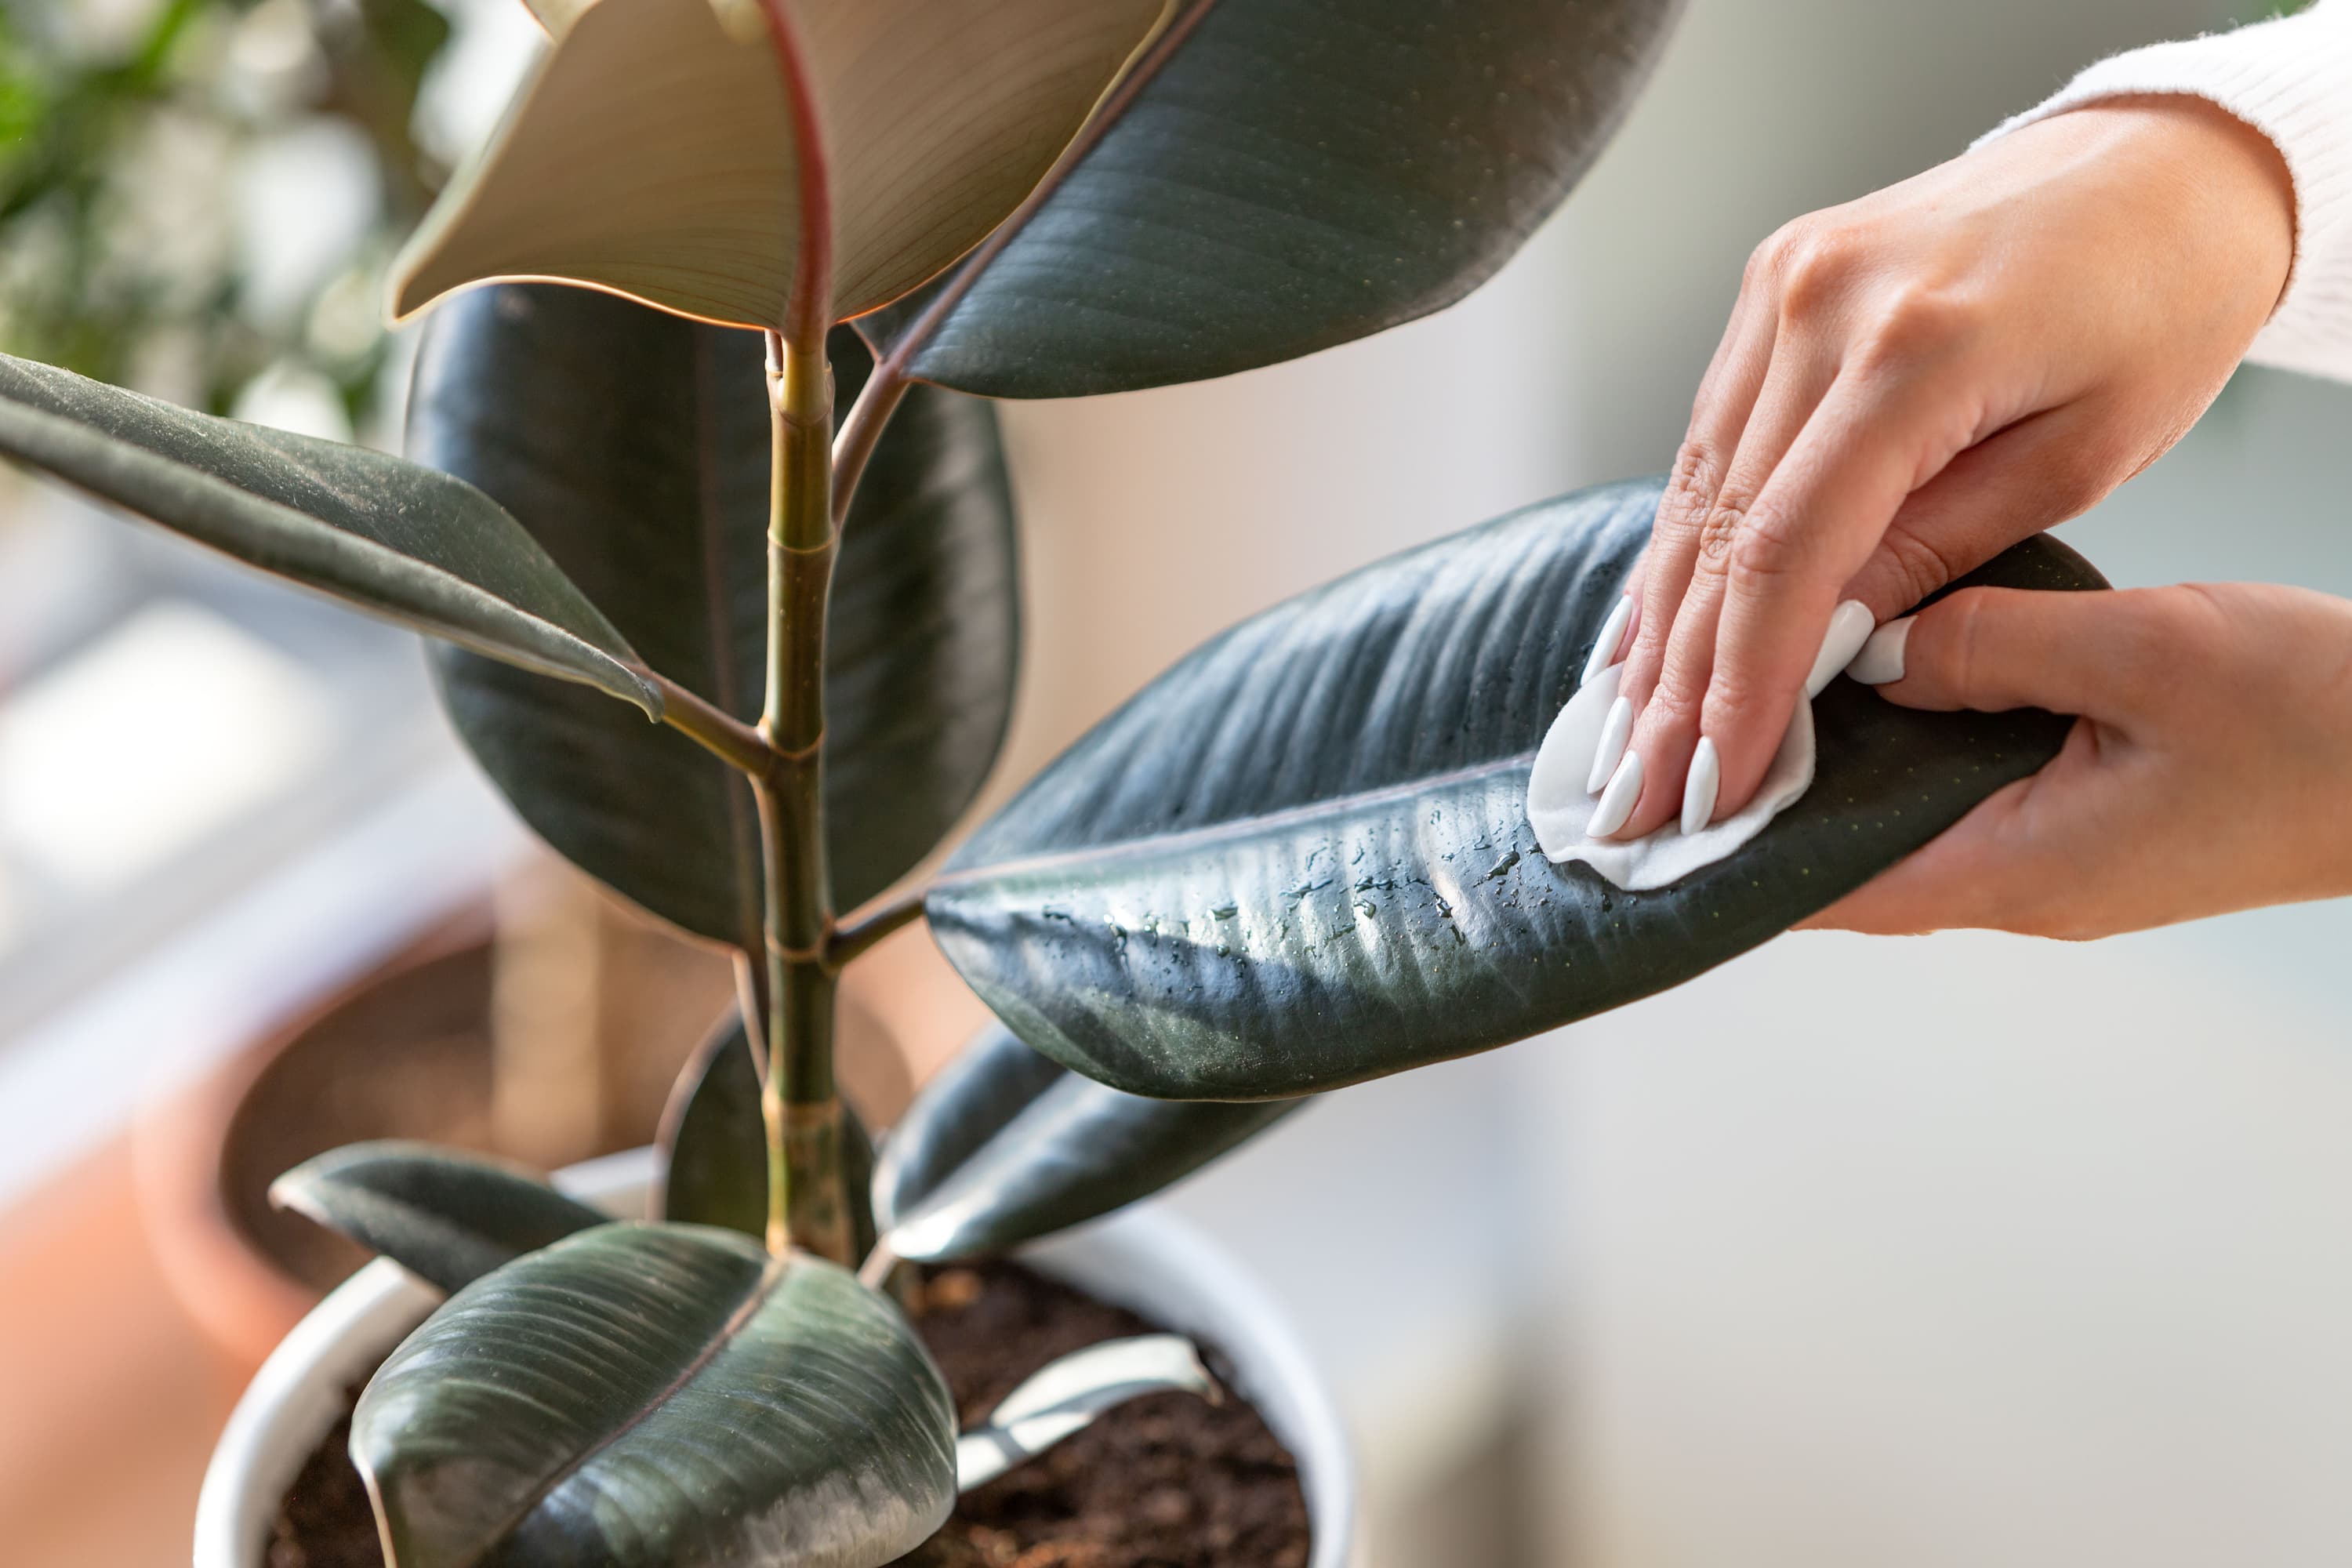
2292, 80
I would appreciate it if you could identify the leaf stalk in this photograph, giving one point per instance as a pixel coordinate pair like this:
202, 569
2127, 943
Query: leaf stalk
718, 731
879, 399
852, 940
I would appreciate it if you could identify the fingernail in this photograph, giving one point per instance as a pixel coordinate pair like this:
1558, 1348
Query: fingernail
1613, 634
1850, 627
1881, 659
1699, 789
1617, 800
1615, 730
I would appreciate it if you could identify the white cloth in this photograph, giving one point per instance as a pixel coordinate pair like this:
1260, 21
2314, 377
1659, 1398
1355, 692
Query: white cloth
1558, 804
2290, 79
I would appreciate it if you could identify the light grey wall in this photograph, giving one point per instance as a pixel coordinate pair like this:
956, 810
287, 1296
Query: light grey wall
1967, 1249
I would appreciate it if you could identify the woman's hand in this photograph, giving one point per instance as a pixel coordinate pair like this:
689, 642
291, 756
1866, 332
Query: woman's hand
1915, 381
2207, 771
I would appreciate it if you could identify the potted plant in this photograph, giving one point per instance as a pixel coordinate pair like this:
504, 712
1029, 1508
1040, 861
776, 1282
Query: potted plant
1299, 860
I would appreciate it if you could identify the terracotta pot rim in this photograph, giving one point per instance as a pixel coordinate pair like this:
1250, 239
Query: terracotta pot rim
241, 1300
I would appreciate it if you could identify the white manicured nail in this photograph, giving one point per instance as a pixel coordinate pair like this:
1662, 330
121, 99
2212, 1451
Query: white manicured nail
1613, 634
1850, 627
1699, 789
1615, 730
1617, 800
1881, 659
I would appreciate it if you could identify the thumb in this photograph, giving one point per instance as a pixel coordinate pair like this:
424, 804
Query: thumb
2014, 484
2101, 654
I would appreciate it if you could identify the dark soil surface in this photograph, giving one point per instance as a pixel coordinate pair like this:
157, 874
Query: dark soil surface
1166, 1481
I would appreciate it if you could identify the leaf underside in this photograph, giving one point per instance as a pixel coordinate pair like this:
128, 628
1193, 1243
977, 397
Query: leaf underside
446, 1216
635, 447
1277, 177
1325, 873
1003, 1146
654, 153
659, 1396
373, 530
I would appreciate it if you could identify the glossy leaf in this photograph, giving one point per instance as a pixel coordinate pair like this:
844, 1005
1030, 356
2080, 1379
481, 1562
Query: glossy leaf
1063, 1398
715, 1147
661, 1395
1276, 176
445, 1216
1003, 1146
635, 447
384, 536
1326, 872
654, 153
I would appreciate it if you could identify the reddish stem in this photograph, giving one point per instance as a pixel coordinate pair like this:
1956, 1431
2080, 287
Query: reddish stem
808, 313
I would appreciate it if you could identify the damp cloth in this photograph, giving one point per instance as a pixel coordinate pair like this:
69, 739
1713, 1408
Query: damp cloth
1558, 805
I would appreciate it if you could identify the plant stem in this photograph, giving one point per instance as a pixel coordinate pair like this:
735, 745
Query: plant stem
719, 732
851, 941
876, 402
807, 1204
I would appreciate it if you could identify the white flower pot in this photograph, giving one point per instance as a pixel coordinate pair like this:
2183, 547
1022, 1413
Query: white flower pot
1143, 1259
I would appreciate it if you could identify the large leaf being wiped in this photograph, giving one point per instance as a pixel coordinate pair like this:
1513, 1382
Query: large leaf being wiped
635, 447
1276, 176
387, 536
1002, 1146
664, 1395
1301, 857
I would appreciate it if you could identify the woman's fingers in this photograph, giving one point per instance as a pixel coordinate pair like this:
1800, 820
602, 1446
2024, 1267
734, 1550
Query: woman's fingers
2022, 858
1666, 731
1726, 395
2109, 656
2029, 478
1815, 521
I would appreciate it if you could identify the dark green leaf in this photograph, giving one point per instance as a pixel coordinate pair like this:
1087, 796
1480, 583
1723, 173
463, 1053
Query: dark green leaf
448, 1217
659, 1396
635, 446
1003, 1146
1277, 177
715, 1148
387, 536
967, 1102
1301, 858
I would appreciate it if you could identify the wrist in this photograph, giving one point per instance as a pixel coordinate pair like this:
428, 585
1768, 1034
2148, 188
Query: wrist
2233, 184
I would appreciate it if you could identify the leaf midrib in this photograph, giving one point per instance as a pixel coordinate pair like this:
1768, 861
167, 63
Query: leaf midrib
1114, 851
771, 1274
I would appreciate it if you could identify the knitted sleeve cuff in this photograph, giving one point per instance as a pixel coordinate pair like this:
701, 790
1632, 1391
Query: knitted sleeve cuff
2292, 80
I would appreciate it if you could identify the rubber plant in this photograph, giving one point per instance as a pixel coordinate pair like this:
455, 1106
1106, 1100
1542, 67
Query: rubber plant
724, 591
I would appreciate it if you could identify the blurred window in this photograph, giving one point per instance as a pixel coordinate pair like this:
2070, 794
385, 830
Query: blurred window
197, 200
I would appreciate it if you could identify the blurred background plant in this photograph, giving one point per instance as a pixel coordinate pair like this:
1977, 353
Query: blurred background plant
197, 200
148, 151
